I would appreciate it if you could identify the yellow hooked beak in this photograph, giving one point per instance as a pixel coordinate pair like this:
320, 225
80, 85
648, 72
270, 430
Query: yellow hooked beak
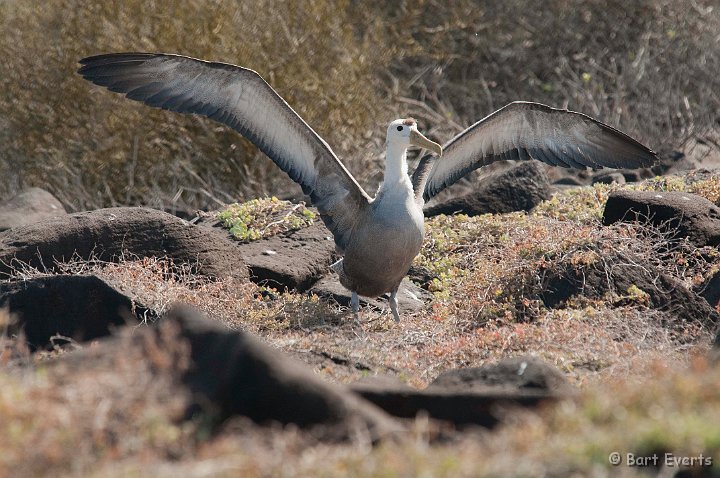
417, 139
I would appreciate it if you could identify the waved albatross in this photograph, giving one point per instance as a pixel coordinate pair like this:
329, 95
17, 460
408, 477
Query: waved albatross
378, 237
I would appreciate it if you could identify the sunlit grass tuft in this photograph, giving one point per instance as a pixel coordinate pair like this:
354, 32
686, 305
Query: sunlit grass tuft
265, 217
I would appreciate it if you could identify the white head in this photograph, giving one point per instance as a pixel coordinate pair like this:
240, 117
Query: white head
403, 133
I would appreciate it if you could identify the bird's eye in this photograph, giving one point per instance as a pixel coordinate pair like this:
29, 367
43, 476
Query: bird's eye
400, 128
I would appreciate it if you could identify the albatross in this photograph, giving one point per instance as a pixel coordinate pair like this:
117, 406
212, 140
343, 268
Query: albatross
377, 237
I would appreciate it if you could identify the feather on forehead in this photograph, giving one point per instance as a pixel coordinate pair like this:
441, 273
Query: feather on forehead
409, 122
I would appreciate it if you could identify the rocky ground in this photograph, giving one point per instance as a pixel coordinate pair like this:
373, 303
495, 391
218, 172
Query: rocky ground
540, 333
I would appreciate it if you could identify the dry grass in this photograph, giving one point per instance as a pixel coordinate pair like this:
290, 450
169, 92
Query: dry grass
614, 60
101, 404
644, 389
586, 204
488, 301
92, 148
348, 68
668, 409
664, 408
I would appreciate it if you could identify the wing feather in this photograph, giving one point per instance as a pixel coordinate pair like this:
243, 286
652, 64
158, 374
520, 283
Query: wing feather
241, 99
524, 130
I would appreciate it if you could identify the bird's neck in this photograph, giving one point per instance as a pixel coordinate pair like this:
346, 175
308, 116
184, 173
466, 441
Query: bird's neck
396, 167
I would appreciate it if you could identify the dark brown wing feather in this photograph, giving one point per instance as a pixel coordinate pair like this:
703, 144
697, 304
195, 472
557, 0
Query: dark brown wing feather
523, 130
241, 99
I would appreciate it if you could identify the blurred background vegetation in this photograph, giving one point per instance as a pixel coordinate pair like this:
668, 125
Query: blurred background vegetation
649, 67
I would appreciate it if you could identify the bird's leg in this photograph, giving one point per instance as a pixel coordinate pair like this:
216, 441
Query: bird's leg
394, 304
355, 305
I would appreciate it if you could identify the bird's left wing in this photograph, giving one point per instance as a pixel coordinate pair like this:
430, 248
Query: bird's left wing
241, 99
524, 130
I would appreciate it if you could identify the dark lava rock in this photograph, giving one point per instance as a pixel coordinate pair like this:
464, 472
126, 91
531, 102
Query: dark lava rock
319, 359
411, 298
569, 181
516, 373
29, 206
472, 396
80, 308
382, 382
519, 188
710, 290
635, 175
682, 214
293, 260
110, 234
609, 177
698, 152
233, 373
618, 274
422, 275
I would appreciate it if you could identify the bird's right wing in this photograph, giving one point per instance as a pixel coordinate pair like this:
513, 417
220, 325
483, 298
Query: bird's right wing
241, 99
524, 130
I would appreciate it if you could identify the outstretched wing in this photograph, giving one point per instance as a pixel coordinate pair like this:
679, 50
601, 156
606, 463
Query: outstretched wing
523, 130
241, 99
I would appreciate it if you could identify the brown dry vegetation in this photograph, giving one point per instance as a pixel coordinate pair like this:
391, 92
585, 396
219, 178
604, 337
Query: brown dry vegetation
648, 67
645, 384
